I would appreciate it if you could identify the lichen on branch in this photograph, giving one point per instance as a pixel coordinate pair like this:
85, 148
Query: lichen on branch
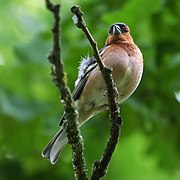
59, 78
100, 166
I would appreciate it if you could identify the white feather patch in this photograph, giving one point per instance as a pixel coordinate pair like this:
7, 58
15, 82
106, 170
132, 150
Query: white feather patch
83, 67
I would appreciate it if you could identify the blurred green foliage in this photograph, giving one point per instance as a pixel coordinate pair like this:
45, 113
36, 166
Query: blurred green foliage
149, 146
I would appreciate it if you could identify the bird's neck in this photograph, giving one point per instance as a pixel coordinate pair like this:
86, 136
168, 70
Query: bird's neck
119, 39
124, 41
129, 47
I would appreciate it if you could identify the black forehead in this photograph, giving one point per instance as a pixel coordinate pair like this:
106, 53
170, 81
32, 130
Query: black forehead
120, 24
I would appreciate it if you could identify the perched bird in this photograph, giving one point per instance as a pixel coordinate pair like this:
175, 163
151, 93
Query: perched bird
122, 54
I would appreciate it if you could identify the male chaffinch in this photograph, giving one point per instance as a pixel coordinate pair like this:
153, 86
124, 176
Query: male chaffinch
125, 58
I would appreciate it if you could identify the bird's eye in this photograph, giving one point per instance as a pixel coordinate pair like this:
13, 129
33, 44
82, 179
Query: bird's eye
126, 29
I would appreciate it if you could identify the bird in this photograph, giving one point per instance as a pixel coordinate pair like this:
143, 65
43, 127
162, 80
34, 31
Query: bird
90, 93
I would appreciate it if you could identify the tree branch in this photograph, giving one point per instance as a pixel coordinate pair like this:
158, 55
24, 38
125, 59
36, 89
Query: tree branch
59, 78
100, 166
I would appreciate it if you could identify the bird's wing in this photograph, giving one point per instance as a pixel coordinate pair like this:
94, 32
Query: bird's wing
89, 65
85, 69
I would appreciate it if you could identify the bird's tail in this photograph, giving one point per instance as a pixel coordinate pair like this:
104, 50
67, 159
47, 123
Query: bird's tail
55, 146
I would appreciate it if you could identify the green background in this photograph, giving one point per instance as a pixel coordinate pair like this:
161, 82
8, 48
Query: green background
149, 147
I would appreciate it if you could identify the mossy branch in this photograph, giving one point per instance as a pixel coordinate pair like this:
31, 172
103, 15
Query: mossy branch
100, 166
59, 78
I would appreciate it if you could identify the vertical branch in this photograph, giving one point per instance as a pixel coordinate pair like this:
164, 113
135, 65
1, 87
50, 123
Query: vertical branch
59, 78
100, 166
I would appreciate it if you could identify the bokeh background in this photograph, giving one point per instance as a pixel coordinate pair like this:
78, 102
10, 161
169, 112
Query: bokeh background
149, 147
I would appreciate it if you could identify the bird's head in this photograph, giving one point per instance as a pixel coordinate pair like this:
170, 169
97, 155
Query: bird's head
118, 28
118, 32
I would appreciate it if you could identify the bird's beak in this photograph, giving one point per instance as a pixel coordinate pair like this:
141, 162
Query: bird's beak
115, 30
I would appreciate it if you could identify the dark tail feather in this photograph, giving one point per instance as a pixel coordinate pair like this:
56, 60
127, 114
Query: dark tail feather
55, 146
62, 120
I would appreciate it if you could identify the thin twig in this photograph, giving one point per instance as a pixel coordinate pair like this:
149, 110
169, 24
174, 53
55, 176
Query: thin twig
100, 166
59, 78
